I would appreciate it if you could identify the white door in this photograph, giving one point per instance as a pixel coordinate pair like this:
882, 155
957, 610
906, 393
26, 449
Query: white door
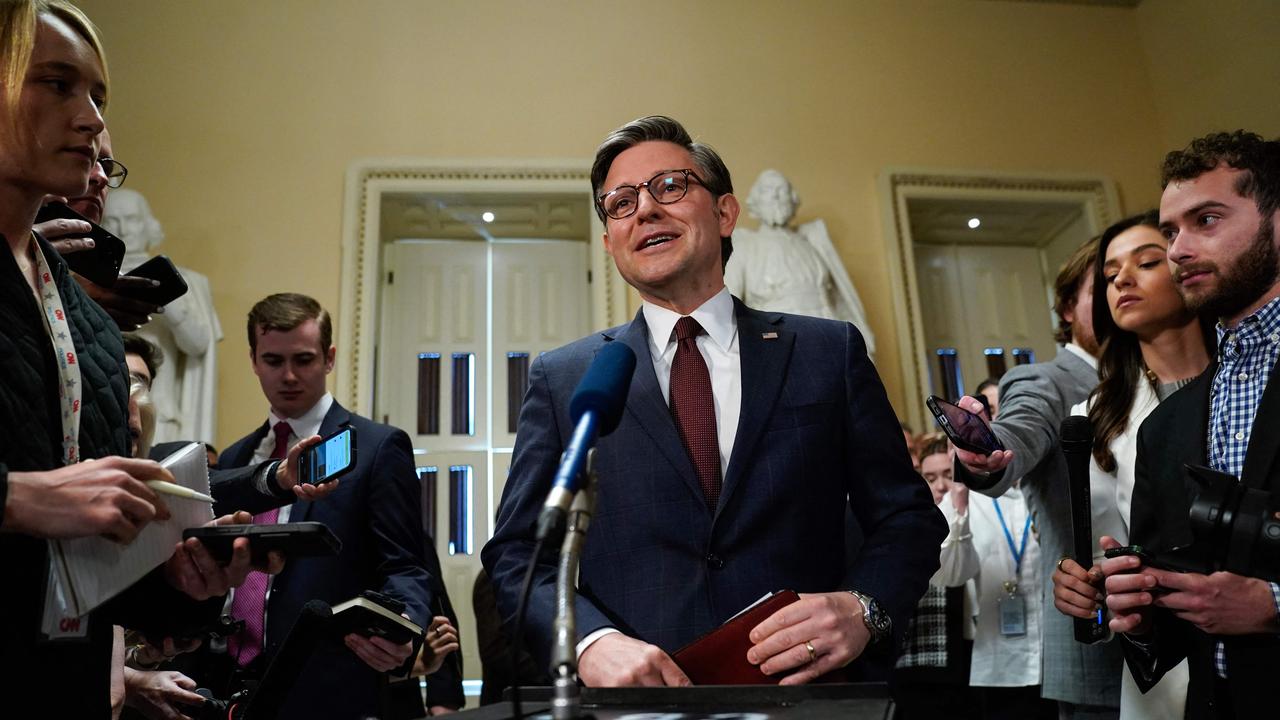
461, 322
980, 298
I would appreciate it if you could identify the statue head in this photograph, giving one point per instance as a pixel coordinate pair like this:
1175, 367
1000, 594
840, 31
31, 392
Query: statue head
129, 216
772, 200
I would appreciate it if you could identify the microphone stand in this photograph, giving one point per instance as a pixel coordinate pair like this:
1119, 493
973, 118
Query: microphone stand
566, 702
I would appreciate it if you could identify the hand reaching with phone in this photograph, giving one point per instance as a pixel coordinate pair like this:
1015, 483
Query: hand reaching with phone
287, 474
69, 236
379, 653
977, 462
193, 569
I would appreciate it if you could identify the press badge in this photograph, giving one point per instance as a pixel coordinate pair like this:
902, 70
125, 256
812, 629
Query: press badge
1013, 614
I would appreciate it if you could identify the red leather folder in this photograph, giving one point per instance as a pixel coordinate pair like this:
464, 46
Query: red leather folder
720, 656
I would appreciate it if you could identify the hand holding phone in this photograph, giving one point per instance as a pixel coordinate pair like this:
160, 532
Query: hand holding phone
332, 458
100, 263
966, 430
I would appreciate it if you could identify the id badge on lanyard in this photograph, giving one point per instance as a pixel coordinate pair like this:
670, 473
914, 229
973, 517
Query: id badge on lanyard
60, 619
1012, 604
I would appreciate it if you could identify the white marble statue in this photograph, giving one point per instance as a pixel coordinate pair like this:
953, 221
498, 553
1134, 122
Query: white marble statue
793, 270
185, 388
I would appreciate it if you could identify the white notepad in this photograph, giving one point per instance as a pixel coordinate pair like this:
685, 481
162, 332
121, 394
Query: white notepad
97, 569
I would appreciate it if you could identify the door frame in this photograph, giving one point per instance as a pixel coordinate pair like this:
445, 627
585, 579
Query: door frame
361, 259
1095, 195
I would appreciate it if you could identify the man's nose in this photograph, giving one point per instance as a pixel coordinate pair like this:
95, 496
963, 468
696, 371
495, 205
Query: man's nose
647, 207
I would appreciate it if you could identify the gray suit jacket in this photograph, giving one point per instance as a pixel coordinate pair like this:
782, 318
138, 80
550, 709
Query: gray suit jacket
1033, 401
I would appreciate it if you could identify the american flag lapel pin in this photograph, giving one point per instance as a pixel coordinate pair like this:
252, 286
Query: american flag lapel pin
769, 335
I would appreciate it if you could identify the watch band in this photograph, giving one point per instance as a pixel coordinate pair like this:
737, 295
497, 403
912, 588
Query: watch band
876, 620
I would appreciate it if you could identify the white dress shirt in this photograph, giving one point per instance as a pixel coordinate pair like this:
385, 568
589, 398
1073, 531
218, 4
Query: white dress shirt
719, 347
300, 427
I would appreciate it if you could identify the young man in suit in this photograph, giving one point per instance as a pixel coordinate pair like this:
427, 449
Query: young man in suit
746, 436
376, 512
1219, 209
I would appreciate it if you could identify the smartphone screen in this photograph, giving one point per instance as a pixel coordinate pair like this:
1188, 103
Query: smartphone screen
968, 431
328, 460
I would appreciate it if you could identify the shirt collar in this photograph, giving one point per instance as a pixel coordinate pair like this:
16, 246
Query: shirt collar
716, 317
309, 423
1082, 353
1263, 324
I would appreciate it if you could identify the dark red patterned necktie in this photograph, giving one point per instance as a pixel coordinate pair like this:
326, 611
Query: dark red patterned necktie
693, 407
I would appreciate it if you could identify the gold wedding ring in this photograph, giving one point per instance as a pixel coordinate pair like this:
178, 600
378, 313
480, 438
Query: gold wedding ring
813, 654
1061, 560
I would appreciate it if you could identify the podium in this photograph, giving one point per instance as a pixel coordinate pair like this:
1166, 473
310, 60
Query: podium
848, 701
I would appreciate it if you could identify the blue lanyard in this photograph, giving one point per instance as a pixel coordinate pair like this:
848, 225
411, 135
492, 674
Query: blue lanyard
1008, 537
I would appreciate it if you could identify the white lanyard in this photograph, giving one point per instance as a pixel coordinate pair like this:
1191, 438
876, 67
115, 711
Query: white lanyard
59, 327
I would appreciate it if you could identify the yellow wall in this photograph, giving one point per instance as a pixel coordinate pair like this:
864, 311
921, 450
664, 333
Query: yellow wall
238, 118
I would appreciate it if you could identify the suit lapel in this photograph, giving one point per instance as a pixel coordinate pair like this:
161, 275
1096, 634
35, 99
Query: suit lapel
333, 420
1264, 442
244, 452
764, 347
646, 405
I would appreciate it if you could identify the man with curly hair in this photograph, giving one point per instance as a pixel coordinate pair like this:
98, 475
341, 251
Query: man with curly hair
1220, 205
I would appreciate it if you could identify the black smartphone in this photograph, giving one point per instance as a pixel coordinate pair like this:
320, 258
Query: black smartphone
1134, 550
967, 430
161, 269
100, 263
331, 459
294, 540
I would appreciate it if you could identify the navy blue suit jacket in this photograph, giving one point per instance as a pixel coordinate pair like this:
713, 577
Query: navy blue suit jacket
377, 513
816, 435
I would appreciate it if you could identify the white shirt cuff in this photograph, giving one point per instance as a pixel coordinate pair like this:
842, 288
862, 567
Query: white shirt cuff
585, 642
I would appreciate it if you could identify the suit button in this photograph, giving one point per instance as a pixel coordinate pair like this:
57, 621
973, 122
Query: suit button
714, 561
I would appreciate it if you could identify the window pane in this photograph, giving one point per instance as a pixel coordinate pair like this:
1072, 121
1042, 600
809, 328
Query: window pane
428, 393
427, 478
517, 383
460, 509
463, 383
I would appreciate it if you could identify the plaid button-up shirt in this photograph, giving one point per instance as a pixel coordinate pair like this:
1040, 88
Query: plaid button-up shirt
1246, 355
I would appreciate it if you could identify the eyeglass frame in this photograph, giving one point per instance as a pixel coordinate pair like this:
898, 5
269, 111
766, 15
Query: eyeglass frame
108, 165
688, 174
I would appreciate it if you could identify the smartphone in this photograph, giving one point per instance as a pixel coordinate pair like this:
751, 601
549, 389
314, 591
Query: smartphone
161, 269
967, 430
294, 540
100, 263
1134, 550
332, 458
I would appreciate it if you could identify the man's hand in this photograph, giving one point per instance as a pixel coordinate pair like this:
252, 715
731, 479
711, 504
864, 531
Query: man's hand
379, 653
287, 474
959, 493
106, 497
974, 462
1130, 591
1219, 604
149, 655
158, 694
1075, 590
616, 660
831, 623
194, 571
69, 236
442, 639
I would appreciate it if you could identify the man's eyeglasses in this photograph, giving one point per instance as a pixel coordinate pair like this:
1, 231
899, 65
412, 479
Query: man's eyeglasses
666, 187
115, 170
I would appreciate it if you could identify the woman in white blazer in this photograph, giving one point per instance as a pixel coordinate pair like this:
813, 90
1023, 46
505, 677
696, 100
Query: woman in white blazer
1151, 345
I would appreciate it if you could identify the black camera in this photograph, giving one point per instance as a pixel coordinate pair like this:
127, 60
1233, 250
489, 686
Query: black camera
1236, 529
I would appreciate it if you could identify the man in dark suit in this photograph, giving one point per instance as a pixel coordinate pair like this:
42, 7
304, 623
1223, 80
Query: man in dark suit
375, 511
745, 436
1219, 209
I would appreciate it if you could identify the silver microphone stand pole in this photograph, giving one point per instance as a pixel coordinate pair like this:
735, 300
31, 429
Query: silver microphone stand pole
566, 702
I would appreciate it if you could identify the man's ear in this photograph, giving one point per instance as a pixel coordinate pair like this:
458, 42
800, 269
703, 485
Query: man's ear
728, 209
329, 356
1069, 313
608, 247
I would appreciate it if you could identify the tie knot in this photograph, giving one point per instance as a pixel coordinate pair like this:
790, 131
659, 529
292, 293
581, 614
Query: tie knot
687, 327
282, 430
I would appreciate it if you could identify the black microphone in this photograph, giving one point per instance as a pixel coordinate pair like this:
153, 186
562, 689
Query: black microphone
310, 628
1076, 434
596, 409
